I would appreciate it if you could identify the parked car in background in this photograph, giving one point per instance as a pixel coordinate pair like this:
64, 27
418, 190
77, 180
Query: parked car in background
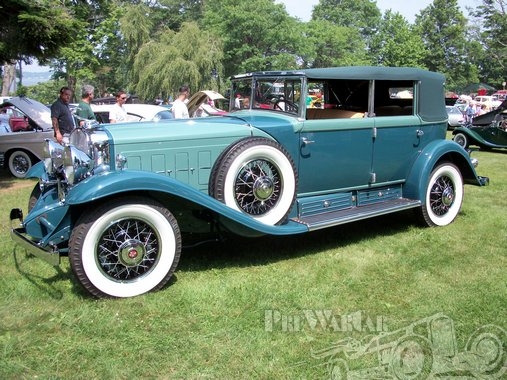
18, 121
20, 150
490, 102
455, 117
486, 131
500, 95
121, 200
136, 112
131, 99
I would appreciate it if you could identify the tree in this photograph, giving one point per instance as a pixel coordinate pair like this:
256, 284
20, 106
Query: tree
362, 15
333, 45
442, 27
9, 76
396, 43
257, 34
34, 29
176, 58
492, 16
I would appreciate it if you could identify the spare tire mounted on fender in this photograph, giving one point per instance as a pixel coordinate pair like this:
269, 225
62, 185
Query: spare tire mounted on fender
256, 176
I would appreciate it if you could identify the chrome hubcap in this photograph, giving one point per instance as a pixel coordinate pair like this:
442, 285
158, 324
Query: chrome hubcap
442, 195
258, 187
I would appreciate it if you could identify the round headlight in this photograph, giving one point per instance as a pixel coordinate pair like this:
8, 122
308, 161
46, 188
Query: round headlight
76, 164
52, 154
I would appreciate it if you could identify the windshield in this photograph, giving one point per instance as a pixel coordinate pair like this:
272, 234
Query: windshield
279, 93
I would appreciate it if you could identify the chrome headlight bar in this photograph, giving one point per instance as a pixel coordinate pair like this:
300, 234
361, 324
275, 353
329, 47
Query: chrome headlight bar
87, 153
52, 155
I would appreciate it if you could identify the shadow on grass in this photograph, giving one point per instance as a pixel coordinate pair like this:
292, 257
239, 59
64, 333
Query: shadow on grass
44, 284
236, 251
8, 181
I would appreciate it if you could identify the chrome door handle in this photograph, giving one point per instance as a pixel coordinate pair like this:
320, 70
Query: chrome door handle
306, 142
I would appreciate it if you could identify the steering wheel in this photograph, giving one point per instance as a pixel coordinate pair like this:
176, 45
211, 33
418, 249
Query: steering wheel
287, 106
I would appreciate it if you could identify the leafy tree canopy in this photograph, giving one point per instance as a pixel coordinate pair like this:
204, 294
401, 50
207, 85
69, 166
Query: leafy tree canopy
34, 28
257, 34
397, 43
443, 27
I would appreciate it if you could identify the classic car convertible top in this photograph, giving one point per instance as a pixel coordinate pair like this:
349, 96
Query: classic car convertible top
299, 151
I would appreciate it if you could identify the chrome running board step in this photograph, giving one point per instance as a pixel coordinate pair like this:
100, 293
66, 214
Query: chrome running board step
351, 214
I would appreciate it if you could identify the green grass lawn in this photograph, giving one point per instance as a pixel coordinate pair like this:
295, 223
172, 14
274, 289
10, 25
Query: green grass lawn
261, 308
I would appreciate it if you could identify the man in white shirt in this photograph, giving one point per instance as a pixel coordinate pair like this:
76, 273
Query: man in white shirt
179, 108
118, 114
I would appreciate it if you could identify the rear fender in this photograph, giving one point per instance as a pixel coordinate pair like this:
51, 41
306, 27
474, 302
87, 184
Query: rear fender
432, 155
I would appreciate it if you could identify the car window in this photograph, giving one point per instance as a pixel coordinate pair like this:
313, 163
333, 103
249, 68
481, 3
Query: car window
271, 93
347, 98
163, 115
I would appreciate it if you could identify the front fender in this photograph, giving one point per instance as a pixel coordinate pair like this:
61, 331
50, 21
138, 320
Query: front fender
36, 171
115, 183
433, 154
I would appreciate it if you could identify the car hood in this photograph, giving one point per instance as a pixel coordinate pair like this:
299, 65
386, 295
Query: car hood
38, 112
488, 117
199, 98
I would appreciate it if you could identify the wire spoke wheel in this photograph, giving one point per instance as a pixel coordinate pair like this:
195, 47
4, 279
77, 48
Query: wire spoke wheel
257, 177
444, 196
128, 250
258, 187
125, 248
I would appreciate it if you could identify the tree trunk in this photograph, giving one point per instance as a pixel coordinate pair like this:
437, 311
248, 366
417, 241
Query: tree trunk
9, 77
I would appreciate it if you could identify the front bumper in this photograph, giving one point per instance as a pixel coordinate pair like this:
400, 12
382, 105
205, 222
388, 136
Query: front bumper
18, 236
484, 181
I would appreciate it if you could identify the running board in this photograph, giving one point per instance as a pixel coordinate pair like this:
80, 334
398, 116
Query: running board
334, 218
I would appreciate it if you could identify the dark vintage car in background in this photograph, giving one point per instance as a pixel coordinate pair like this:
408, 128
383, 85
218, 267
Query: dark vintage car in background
487, 131
121, 200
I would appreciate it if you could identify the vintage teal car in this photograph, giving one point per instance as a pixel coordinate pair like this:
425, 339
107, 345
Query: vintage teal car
121, 200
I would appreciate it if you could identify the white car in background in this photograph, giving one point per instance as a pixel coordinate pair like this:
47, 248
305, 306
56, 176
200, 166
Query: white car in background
490, 101
136, 112
455, 117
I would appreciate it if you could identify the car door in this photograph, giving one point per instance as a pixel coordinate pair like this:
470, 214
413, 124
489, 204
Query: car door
335, 154
399, 135
397, 143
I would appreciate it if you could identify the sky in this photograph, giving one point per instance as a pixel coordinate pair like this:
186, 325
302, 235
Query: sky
302, 9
